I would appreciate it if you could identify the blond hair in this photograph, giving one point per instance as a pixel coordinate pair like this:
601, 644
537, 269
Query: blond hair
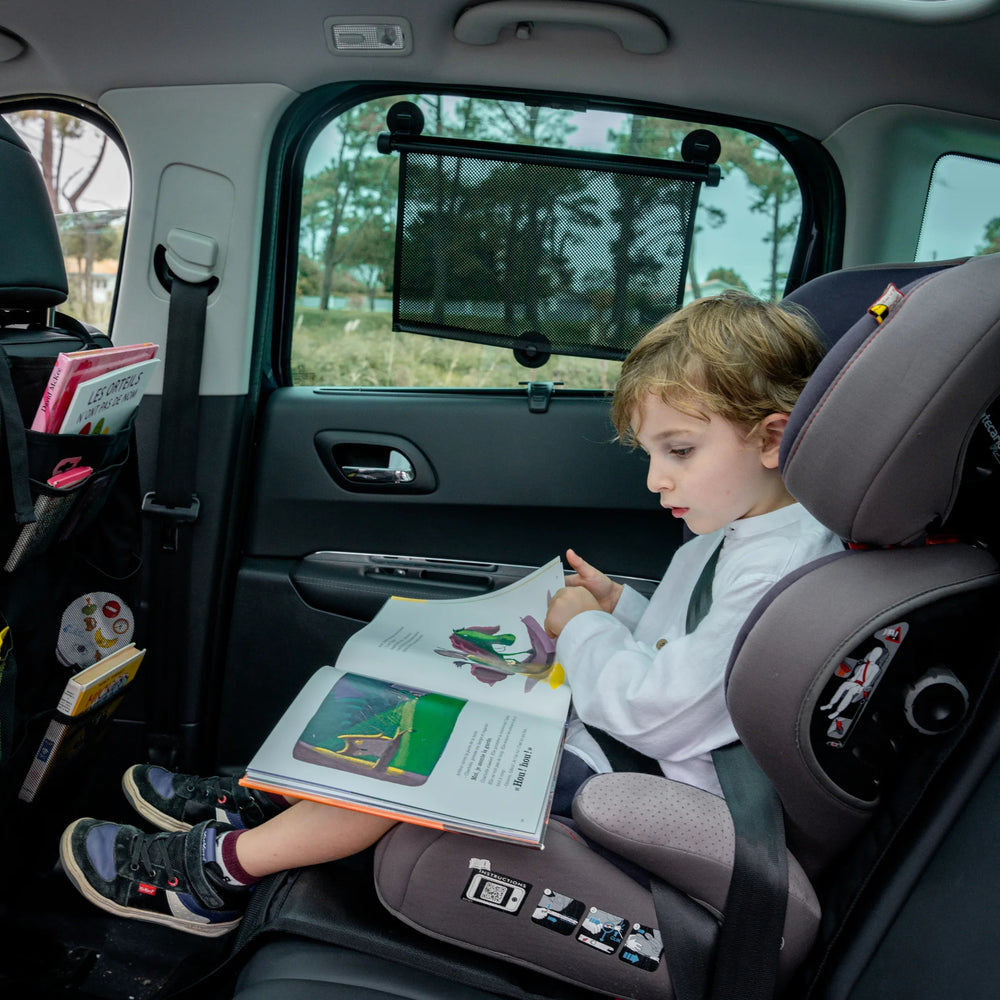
731, 354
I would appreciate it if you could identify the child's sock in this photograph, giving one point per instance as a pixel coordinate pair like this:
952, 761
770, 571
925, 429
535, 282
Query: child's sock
225, 855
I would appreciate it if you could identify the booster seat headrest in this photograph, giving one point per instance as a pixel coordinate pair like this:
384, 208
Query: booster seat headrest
32, 271
893, 436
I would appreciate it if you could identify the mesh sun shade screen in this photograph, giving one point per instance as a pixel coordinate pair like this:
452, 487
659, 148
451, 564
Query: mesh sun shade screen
551, 253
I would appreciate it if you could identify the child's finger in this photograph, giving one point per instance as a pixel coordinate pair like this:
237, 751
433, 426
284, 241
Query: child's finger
582, 567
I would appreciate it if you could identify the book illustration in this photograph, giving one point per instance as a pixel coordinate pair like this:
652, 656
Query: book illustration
448, 748
385, 731
103, 404
75, 367
481, 649
98, 683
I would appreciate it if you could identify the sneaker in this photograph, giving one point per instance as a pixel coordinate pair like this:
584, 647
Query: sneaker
164, 878
179, 801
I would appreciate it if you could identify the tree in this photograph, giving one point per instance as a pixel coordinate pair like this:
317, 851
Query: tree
356, 182
86, 236
727, 275
776, 188
991, 237
372, 255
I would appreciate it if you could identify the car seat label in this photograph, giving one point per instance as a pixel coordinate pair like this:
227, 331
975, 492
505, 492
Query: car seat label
889, 301
603, 931
848, 692
500, 892
643, 948
557, 912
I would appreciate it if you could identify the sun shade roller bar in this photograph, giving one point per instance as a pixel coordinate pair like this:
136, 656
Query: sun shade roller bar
542, 251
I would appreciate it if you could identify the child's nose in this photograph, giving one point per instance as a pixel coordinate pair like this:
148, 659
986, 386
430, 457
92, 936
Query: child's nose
658, 480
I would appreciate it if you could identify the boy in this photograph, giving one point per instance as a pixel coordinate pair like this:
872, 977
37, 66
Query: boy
706, 395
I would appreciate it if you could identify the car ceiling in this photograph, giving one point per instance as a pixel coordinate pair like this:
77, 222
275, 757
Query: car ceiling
808, 65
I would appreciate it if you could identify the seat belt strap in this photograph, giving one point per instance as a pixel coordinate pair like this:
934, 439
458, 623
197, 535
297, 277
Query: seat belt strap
750, 939
620, 756
689, 934
175, 505
745, 962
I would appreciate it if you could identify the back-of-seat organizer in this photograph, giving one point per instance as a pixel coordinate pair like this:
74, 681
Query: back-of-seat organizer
58, 544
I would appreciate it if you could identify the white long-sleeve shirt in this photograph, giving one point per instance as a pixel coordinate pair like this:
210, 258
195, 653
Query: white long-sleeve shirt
638, 676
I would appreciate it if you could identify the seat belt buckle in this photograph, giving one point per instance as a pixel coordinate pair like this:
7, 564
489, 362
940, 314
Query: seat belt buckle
173, 515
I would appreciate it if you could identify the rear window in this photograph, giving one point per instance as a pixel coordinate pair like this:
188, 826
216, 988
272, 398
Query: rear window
89, 186
962, 213
552, 271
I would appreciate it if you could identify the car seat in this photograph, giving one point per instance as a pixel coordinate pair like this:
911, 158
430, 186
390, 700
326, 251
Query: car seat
846, 685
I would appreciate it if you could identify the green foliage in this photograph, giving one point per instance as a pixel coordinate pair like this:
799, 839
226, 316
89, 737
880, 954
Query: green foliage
728, 275
991, 237
348, 241
359, 348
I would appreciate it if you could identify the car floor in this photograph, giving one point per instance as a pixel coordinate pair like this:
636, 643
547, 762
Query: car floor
56, 943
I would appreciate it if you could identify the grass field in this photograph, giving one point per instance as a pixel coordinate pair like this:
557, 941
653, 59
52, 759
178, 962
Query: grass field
359, 348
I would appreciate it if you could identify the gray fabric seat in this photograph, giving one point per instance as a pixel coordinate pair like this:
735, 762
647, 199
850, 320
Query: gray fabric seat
845, 685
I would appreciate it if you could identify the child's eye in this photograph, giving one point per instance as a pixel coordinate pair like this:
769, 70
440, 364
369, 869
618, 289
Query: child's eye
681, 452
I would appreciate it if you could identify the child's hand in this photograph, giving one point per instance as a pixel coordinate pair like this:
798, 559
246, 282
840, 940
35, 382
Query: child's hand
604, 590
567, 603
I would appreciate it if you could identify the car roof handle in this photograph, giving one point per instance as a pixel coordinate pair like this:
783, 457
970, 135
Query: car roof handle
481, 25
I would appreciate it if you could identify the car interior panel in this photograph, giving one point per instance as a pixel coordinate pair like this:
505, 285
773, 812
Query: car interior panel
390, 261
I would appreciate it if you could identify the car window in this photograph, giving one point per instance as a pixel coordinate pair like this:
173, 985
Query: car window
89, 186
962, 213
744, 232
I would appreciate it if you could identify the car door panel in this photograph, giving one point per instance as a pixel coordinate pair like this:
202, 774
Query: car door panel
496, 489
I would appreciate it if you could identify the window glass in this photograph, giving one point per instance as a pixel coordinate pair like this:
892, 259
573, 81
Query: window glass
89, 186
745, 230
962, 214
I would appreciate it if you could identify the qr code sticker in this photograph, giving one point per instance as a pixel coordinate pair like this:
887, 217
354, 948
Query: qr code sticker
492, 892
501, 892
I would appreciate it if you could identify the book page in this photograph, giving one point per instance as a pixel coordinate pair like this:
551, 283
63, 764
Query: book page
489, 647
413, 753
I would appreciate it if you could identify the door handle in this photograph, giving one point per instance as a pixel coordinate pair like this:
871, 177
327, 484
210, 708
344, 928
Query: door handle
365, 462
400, 470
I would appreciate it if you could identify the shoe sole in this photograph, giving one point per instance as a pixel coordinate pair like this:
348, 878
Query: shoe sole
147, 811
75, 874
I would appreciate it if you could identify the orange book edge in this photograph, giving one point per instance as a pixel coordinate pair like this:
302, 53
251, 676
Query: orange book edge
432, 824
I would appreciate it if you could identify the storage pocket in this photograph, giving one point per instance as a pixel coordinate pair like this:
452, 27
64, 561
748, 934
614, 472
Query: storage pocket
59, 514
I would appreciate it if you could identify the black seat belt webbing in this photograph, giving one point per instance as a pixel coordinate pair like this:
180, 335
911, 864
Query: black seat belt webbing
176, 504
746, 965
620, 756
745, 962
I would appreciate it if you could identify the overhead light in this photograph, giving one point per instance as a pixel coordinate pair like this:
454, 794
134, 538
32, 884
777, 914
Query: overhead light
368, 36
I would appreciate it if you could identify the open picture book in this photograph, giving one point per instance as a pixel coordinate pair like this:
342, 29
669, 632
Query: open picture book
447, 713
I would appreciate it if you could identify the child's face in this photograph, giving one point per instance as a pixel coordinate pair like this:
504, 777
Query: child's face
705, 469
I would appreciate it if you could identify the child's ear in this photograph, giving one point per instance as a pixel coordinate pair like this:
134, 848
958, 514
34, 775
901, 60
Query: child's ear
771, 429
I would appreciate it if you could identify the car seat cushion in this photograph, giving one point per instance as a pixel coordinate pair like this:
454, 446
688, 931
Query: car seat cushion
565, 910
684, 835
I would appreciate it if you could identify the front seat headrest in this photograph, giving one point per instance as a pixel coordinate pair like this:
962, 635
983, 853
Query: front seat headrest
32, 270
889, 479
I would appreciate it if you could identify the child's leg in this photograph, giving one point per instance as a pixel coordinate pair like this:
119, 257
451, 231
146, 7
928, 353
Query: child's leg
199, 880
307, 833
